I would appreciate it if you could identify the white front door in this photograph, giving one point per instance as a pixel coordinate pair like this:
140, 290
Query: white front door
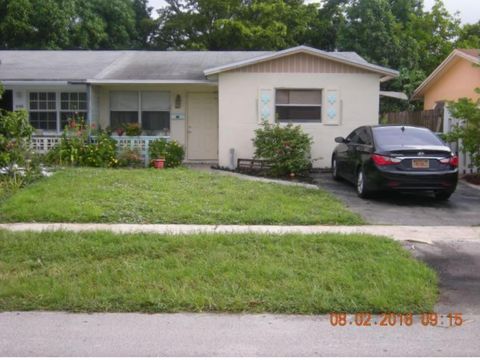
202, 126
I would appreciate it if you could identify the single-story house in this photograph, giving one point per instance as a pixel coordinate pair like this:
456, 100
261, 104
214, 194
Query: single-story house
209, 101
456, 77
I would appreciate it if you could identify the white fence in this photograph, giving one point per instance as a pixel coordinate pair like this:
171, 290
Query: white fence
42, 144
465, 165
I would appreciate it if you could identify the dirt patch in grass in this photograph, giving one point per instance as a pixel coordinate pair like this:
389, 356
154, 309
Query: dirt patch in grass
472, 178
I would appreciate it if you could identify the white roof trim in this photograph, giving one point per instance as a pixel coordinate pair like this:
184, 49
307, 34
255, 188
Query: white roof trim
301, 49
438, 71
394, 94
134, 82
34, 82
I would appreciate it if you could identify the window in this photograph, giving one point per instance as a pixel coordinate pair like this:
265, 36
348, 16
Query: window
153, 114
123, 108
395, 136
43, 110
156, 111
298, 105
72, 105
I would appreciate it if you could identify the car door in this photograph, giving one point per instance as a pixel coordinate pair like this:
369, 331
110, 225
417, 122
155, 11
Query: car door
351, 156
365, 146
341, 156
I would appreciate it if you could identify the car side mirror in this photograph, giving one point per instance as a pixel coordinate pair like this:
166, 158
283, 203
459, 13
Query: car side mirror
340, 140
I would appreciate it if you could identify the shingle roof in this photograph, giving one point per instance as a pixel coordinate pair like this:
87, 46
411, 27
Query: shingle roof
45, 65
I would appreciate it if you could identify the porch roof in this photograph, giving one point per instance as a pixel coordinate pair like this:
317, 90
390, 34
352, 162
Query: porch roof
114, 66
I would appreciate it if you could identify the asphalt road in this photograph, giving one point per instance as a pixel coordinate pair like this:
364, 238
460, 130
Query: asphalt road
463, 208
458, 267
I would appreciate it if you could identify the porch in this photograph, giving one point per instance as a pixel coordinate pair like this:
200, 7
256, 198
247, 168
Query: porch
42, 144
184, 112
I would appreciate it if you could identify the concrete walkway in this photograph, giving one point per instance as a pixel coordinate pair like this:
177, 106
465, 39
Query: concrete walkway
62, 334
425, 234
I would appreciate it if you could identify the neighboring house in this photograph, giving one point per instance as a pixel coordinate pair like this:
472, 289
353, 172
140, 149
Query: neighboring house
209, 101
456, 77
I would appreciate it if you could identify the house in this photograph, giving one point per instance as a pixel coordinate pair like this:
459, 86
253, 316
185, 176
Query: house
456, 77
211, 102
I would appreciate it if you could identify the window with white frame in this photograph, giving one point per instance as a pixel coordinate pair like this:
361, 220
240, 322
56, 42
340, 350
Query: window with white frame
43, 110
298, 105
73, 105
47, 113
150, 109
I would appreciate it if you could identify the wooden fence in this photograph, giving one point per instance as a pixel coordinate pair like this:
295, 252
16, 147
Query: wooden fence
431, 119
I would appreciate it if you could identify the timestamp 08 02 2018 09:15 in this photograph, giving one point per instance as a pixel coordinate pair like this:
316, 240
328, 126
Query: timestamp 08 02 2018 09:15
393, 319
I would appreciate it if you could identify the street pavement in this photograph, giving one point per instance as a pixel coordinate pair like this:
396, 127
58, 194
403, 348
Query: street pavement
61, 334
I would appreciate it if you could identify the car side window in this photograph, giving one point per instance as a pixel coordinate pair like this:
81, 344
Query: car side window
353, 137
364, 137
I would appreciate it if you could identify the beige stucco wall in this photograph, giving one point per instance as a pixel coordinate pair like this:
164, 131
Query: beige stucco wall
238, 92
177, 127
459, 80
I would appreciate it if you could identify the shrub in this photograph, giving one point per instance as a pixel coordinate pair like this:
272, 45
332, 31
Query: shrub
15, 135
286, 148
171, 151
130, 158
18, 163
469, 132
76, 148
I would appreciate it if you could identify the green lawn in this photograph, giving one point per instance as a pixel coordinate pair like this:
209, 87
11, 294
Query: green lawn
169, 196
307, 274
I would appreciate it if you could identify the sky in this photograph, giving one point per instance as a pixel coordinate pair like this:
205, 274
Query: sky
469, 9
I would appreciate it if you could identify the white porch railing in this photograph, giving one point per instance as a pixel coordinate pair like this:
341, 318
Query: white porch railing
42, 144
141, 143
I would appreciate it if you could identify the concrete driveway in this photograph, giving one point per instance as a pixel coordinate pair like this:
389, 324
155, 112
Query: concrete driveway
417, 209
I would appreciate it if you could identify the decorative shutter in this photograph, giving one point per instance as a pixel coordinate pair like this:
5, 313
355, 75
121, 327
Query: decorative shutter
266, 106
332, 107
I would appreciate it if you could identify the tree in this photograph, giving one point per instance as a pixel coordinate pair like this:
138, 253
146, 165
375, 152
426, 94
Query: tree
469, 131
75, 24
234, 24
469, 37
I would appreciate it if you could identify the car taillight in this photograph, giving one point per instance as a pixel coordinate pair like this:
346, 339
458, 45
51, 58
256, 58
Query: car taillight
452, 161
381, 160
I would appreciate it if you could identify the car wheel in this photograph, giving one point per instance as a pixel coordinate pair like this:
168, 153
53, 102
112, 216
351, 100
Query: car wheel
335, 169
442, 195
361, 185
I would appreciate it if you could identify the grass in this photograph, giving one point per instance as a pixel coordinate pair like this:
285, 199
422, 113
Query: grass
307, 274
169, 196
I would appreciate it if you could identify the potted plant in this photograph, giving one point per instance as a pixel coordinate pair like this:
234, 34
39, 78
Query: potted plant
133, 129
120, 131
158, 151
159, 163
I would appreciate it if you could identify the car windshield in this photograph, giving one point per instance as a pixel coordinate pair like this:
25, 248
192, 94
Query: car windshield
409, 136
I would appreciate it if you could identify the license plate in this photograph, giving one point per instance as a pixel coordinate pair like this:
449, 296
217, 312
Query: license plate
420, 164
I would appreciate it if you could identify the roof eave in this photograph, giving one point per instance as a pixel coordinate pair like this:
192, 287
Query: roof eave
146, 82
418, 93
305, 49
